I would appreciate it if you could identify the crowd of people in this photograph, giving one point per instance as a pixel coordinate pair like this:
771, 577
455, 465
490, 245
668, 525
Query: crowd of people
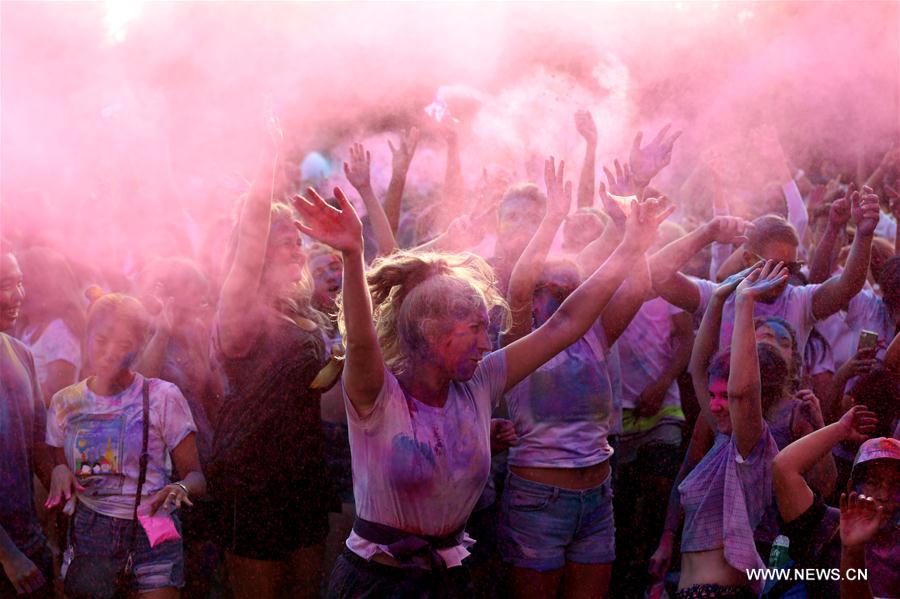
488, 394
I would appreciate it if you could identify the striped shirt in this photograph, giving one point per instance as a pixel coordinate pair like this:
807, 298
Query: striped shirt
724, 498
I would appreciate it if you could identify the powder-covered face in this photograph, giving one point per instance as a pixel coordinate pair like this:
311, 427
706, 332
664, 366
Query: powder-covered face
882, 483
718, 404
112, 347
519, 219
774, 334
460, 349
12, 291
284, 256
550, 293
327, 271
778, 251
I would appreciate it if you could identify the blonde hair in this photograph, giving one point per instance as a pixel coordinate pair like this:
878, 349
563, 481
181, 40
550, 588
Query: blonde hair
416, 295
117, 307
295, 301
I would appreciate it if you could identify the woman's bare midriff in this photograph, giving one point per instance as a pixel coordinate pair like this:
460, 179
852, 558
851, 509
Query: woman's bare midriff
566, 478
709, 567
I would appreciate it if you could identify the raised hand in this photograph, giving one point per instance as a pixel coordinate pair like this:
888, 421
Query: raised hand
402, 155
761, 281
807, 414
858, 423
646, 162
728, 229
860, 364
357, 171
337, 228
727, 287
644, 220
622, 183
839, 213
865, 211
584, 123
861, 518
612, 208
559, 191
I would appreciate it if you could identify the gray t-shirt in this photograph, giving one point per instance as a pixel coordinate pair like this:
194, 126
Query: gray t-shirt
22, 424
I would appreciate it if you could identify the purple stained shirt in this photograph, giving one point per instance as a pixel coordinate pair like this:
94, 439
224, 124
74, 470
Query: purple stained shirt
724, 498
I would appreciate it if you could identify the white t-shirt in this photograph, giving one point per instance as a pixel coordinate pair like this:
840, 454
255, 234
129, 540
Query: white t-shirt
794, 305
868, 312
55, 343
421, 468
645, 351
562, 410
102, 438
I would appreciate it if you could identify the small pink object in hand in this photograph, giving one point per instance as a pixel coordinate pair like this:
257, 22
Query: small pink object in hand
159, 528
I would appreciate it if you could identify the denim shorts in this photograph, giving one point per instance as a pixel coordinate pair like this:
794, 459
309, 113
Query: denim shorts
162, 566
543, 527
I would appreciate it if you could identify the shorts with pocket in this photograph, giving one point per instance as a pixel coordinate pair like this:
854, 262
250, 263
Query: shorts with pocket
542, 527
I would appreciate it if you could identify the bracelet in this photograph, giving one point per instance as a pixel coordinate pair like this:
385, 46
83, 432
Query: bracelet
182, 485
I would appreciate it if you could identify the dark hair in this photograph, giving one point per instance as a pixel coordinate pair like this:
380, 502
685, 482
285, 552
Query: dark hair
773, 374
720, 367
889, 280
878, 390
528, 191
770, 228
794, 368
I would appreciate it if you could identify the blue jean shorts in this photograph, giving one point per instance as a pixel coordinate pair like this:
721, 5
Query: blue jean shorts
162, 566
543, 527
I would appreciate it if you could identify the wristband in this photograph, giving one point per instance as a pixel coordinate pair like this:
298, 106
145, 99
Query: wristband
183, 486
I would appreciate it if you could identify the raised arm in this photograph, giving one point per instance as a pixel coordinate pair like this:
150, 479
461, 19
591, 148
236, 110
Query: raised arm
454, 194
238, 298
625, 304
706, 344
596, 252
820, 267
647, 161
674, 287
836, 292
584, 123
402, 157
364, 366
528, 268
893, 197
582, 308
792, 492
357, 173
861, 519
744, 396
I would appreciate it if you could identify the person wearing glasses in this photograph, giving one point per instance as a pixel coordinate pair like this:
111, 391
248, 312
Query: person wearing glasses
769, 237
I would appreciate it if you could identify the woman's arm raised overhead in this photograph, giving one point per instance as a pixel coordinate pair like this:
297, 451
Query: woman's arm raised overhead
342, 230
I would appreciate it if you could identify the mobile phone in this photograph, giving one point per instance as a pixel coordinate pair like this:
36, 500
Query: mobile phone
867, 340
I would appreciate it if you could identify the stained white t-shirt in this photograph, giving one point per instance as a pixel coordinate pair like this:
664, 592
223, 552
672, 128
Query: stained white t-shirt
56, 342
562, 411
868, 312
421, 468
794, 305
645, 351
102, 437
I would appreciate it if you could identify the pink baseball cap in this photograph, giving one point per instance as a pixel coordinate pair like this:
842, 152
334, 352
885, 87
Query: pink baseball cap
881, 448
